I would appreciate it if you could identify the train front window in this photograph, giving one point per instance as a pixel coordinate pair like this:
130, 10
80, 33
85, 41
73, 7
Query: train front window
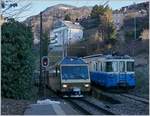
74, 72
130, 66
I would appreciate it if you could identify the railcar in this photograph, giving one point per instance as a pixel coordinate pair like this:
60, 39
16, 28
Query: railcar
111, 71
70, 77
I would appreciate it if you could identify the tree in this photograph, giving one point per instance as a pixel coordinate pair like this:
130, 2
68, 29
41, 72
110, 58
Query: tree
105, 26
67, 17
97, 11
10, 9
17, 60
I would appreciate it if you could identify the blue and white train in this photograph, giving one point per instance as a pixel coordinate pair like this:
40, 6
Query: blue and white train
111, 71
70, 77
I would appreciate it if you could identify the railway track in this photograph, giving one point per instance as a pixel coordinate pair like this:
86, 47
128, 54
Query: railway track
111, 96
140, 99
89, 108
108, 104
123, 103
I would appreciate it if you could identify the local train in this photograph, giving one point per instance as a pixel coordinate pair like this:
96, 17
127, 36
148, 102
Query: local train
70, 77
111, 71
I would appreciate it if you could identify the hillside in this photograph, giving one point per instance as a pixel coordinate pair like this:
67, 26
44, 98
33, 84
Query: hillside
54, 13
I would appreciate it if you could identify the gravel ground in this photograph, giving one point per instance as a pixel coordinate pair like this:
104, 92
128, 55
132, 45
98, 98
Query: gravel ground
142, 76
13, 107
126, 106
130, 107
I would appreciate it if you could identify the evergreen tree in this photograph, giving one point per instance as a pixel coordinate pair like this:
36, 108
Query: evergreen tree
17, 60
105, 25
67, 17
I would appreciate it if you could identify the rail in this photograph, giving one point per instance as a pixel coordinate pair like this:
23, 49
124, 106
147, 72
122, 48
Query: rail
89, 108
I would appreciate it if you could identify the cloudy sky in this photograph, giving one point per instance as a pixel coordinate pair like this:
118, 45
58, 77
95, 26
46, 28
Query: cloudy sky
39, 5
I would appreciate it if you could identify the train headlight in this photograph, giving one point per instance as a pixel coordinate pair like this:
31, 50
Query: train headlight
64, 86
86, 85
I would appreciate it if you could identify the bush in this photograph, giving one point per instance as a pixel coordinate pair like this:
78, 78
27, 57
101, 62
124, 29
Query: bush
17, 60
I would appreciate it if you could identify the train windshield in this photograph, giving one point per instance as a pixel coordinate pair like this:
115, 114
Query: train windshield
74, 72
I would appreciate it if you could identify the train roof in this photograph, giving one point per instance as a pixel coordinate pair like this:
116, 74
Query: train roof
91, 56
72, 60
108, 56
118, 57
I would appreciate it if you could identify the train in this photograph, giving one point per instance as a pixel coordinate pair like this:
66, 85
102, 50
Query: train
111, 71
70, 77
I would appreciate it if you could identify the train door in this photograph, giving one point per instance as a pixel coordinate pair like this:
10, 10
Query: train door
90, 65
122, 73
94, 66
100, 66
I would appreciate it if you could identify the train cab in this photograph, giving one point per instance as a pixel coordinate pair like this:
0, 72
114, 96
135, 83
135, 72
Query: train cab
71, 77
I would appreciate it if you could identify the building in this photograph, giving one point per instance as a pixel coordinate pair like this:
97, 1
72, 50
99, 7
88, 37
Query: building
118, 19
131, 11
65, 33
120, 15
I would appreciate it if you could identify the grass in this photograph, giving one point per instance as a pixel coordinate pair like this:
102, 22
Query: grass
142, 82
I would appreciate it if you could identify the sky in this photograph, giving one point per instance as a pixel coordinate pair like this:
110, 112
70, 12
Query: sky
39, 5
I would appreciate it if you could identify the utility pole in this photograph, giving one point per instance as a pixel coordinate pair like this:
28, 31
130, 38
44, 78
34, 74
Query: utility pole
134, 27
40, 78
69, 39
134, 34
63, 46
66, 43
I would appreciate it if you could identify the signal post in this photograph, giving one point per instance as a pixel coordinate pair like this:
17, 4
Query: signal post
45, 63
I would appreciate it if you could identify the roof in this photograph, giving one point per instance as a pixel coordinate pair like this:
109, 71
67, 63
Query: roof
70, 24
72, 60
118, 57
108, 56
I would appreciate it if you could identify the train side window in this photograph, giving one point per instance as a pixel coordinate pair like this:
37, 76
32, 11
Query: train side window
96, 66
109, 67
103, 66
90, 65
115, 66
130, 66
99, 66
122, 66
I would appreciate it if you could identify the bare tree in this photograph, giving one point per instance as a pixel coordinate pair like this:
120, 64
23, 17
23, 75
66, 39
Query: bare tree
12, 9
